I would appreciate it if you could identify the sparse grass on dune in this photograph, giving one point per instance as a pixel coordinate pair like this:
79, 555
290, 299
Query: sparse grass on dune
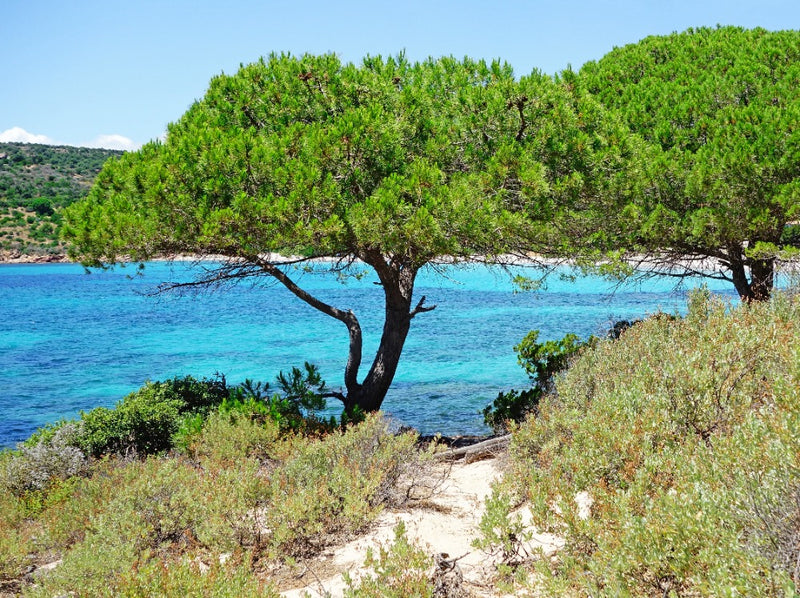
683, 435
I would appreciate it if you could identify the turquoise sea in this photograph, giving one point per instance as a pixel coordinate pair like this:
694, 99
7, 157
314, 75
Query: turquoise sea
71, 341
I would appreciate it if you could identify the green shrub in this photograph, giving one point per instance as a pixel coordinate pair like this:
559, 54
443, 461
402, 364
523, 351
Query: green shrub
402, 570
541, 361
684, 434
189, 579
511, 406
141, 424
157, 504
501, 531
291, 496
232, 436
146, 511
248, 420
293, 408
196, 396
336, 485
66, 517
84, 575
91, 568
16, 537
128, 514
160, 414
791, 236
238, 495
145, 421
190, 426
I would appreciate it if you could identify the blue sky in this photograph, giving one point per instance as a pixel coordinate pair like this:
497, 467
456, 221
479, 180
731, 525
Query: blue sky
113, 73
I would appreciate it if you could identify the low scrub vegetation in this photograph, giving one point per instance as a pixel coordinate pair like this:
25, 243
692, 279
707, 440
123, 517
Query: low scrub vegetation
190, 488
683, 435
171, 414
400, 570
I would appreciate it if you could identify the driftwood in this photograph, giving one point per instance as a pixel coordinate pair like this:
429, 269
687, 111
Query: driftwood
475, 452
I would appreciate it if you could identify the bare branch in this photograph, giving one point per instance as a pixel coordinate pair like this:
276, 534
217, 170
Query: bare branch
347, 317
334, 395
679, 265
236, 269
211, 277
270, 268
419, 309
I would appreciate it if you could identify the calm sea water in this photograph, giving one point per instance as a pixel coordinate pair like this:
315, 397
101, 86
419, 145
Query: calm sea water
71, 341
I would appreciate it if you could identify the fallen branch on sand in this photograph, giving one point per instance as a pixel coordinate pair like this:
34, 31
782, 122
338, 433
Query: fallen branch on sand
486, 449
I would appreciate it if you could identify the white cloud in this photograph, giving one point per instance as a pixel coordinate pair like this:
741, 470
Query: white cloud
20, 135
118, 142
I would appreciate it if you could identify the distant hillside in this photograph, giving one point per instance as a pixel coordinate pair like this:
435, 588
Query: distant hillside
36, 183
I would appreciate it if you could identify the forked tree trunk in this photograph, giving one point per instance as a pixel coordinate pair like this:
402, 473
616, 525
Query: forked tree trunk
368, 396
762, 278
397, 280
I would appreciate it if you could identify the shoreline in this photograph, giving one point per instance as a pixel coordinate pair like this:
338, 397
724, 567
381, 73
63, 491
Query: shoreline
695, 265
16, 257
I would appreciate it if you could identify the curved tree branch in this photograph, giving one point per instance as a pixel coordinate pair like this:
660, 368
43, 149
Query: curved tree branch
347, 317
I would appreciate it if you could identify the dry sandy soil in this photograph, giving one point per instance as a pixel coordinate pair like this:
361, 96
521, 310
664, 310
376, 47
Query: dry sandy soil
445, 523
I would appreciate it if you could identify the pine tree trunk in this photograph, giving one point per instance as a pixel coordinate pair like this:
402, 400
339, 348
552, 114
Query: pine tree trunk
762, 278
369, 395
397, 280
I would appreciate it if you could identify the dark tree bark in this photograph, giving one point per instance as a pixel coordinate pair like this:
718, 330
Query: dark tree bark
762, 276
762, 279
397, 279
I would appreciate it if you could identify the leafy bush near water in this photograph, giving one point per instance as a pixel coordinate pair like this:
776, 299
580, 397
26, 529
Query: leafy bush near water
684, 434
140, 424
542, 362
193, 524
160, 415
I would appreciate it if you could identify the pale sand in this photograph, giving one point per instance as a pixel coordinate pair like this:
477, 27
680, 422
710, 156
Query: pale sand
446, 523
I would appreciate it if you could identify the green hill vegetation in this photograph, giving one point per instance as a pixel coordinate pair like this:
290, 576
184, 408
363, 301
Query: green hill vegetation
36, 183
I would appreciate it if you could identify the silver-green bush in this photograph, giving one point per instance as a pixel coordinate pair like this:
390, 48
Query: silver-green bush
35, 467
684, 433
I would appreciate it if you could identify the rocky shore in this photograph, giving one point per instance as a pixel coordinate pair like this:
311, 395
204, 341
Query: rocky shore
16, 257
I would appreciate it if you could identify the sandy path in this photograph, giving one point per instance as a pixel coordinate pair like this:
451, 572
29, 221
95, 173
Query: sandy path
447, 523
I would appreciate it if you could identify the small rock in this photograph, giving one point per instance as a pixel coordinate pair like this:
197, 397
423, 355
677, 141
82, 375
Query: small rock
45, 568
